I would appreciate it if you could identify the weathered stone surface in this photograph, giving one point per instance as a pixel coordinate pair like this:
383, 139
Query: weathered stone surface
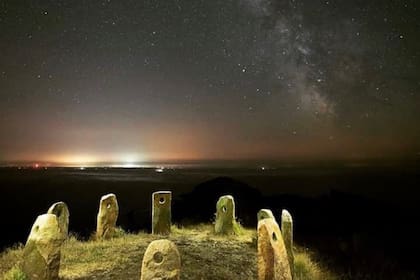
41, 256
287, 232
161, 212
61, 210
265, 214
161, 261
273, 263
225, 215
107, 217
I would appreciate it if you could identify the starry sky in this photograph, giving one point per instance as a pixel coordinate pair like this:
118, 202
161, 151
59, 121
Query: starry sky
144, 80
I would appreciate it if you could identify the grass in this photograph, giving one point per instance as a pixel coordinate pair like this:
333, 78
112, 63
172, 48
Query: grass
15, 273
204, 255
306, 268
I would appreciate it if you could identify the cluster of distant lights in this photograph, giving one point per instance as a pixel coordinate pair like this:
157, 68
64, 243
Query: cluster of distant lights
33, 166
158, 169
127, 166
36, 166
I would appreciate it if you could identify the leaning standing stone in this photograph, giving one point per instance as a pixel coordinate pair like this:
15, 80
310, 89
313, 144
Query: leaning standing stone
41, 256
161, 212
265, 214
287, 231
161, 261
107, 217
61, 210
225, 215
273, 263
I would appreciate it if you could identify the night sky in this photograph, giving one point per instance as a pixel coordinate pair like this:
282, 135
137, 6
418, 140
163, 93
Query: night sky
87, 81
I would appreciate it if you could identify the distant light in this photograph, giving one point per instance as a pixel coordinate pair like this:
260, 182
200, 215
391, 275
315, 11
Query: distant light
160, 170
129, 165
82, 168
262, 168
36, 165
128, 160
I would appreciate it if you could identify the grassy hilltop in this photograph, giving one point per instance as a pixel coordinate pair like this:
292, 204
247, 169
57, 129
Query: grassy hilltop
203, 256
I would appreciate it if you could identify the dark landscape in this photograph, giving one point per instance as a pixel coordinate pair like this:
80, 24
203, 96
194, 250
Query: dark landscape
348, 211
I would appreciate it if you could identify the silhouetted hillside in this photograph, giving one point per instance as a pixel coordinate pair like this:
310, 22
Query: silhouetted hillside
199, 205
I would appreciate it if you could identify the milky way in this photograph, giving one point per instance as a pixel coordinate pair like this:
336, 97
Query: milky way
177, 79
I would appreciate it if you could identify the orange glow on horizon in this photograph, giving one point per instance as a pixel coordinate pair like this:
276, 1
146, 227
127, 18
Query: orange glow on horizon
90, 159
73, 159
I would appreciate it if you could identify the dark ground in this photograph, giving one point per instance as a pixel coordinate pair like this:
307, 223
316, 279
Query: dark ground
363, 219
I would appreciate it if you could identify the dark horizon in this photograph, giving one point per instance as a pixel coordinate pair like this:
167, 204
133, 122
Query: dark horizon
376, 206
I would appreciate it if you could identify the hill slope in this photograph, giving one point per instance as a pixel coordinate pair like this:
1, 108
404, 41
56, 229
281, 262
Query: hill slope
203, 255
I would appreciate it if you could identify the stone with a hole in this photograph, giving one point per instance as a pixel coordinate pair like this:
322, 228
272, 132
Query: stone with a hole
161, 212
287, 232
42, 252
161, 261
107, 217
225, 215
273, 263
61, 210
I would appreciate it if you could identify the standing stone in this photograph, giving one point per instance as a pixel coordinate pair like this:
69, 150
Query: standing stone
61, 210
161, 261
273, 263
107, 217
41, 256
265, 214
225, 215
287, 231
161, 212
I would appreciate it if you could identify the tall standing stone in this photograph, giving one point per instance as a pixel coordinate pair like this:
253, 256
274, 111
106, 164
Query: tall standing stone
161, 261
225, 215
61, 210
273, 263
265, 214
161, 212
287, 231
41, 256
107, 217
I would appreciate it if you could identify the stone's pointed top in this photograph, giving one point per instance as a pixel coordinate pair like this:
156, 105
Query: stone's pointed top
272, 229
162, 192
161, 261
265, 214
109, 202
226, 197
61, 210
108, 196
58, 205
285, 216
45, 229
